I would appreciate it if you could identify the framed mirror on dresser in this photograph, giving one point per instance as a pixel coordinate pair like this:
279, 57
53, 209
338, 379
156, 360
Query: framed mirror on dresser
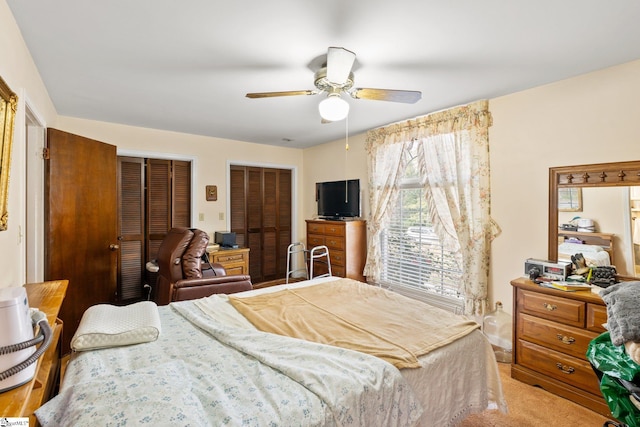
610, 201
552, 328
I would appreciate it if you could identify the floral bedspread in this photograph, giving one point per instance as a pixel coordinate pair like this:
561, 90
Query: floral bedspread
200, 372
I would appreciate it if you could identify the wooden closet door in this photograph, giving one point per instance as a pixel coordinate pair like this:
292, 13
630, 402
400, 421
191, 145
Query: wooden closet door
158, 204
261, 218
180, 193
270, 224
155, 195
254, 222
131, 229
284, 203
238, 205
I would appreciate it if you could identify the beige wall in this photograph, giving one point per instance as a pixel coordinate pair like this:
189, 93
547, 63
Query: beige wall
588, 119
19, 72
332, 162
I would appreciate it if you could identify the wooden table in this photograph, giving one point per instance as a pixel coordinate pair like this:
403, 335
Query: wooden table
24, 400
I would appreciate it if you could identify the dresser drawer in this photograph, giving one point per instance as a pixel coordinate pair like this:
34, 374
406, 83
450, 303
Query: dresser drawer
335, 242
338, 271
568, 311
314, 240
315, 228
566, 339
221, 257
233, 270
570, 370
596, 317
334, 230
337, 258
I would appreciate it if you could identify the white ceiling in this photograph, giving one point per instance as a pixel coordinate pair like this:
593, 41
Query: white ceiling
186, 65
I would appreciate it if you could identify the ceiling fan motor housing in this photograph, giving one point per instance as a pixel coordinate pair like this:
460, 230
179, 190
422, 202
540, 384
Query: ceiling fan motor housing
322, 83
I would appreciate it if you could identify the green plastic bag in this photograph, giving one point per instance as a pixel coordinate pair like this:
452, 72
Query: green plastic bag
614, 362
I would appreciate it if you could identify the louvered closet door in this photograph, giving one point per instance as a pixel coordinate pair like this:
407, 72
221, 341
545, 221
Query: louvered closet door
131, 227
254, 222
158, 212
154, 195
181, 193
238, 216
168, 200
261, 218
284, 220
270, 224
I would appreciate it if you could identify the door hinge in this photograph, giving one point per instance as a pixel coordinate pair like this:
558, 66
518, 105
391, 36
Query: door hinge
45, 153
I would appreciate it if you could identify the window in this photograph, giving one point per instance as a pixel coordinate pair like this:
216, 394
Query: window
414, 261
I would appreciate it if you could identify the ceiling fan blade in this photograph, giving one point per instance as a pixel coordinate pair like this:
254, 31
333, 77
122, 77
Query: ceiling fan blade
339, 64
405, 96
286, 93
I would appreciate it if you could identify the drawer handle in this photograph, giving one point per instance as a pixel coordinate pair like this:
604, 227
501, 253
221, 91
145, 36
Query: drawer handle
550, 307
565, 339
565, 369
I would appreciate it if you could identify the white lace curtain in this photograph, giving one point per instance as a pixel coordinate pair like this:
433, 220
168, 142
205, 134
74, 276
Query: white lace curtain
453, 156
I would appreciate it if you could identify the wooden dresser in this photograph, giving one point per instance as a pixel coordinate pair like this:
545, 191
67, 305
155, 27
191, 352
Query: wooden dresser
24, 400
347, 243
551, 332
234, 261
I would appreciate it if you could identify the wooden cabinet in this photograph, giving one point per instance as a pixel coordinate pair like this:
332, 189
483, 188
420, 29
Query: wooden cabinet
552, 330
24, 400
234, 261
347, 243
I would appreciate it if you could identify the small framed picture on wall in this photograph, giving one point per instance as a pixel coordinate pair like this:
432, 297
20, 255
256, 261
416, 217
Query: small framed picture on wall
212, 193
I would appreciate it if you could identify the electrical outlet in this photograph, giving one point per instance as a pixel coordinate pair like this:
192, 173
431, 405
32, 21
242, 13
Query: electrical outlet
221, 216
201, 217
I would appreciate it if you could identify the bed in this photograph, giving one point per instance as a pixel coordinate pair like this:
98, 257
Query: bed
211, 366
597, 248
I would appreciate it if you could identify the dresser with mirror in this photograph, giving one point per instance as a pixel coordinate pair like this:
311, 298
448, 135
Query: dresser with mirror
552, 328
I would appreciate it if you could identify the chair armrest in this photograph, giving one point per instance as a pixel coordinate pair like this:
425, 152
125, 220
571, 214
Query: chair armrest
188, 289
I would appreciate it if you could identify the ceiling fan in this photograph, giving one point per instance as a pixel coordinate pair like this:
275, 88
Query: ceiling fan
336, 78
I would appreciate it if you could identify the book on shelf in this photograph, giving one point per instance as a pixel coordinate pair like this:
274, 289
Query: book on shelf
567, 286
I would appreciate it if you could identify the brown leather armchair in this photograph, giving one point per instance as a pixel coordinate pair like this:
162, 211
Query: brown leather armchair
183, 276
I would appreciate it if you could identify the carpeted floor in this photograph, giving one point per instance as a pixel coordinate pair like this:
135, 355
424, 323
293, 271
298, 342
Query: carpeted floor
533, 407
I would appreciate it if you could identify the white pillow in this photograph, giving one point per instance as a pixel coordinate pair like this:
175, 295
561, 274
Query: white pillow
574, 248
105, 325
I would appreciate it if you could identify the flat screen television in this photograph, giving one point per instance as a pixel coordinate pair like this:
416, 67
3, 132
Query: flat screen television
338, 199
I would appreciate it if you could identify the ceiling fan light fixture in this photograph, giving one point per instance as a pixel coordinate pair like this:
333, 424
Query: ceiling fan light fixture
333, 108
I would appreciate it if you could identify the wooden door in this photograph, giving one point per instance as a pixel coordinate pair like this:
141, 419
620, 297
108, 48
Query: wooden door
261, 218
254, 223
284, 236
154, 195
80, 223
168, 199
131, 229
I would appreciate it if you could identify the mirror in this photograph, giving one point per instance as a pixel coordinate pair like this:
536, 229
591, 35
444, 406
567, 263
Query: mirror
8, 106
570, 199
610, 202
